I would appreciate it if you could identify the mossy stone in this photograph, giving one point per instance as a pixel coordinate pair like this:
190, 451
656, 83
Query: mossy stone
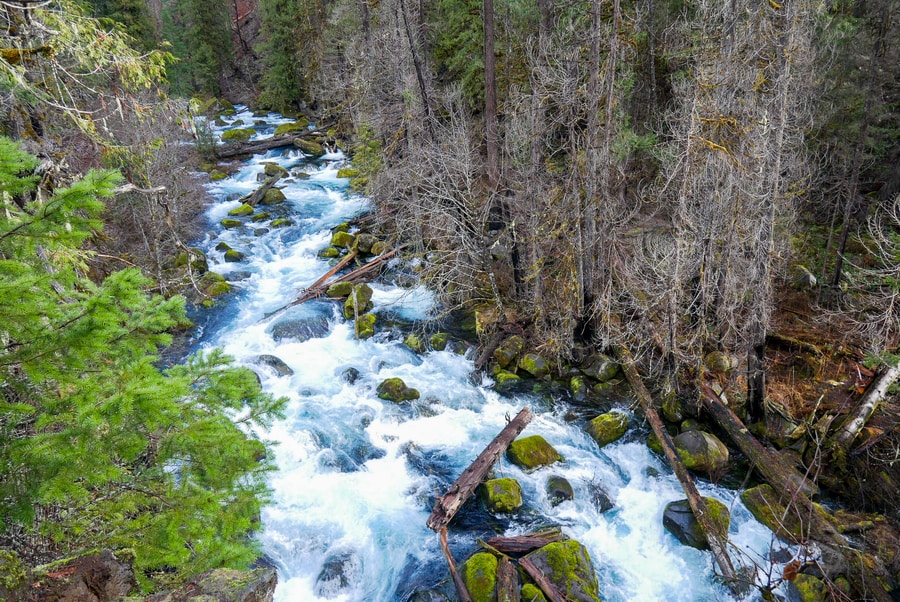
609, 427
214, 284
535, 365
339, 289
717, 362
365, 327
216, 175
438, 341
507, 351
281, 222
341, 227
273, 196
309, 147
347, 172
567, 565
807, 588
196, 257
578, 388
766, 505
701, 451
532, 593
229, 223
530, 453
654, 444
359, 301
233, 256
504, 379
222, 246
600, 367
364, 242
275, 171
679, 520
394, 389
241, 211
238, 134
480, 575
343, 240
415, 343
378, 248
329, 253
260, 217
502, 495
289, 128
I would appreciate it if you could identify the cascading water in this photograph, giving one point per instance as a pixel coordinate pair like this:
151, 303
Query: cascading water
358, 475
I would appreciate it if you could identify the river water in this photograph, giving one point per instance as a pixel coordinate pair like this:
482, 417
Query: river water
358, 476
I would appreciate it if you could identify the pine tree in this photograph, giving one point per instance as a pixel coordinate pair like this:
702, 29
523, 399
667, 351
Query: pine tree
200, 34
291, 31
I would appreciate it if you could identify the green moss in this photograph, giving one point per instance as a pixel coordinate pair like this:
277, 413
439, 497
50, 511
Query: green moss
378, 248
578, 387
502, 495
233, 256
364, 242
222, 246
532, 452
214, 284
359, 301
241, 211
238, 134
365, 327
701, 451
809, 589
534, 364
608, 427
765, 504
341, 227
273, 170
567, 565
505, 378
309, 147
480, 575
273, 196
438, 341
343, 240
717, 362
231, 223
281, 222
531, 593
340, 289
394, 389
260, 217
507, 352
300, 125
216, 175
654, 444
347, 172
329, 253
415, 343
12, 572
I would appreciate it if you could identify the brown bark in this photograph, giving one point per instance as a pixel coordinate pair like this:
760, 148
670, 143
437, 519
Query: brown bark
257, 195
458, 582
492, 137
507, 581
553, 594
447, 507
523, 544
234, 150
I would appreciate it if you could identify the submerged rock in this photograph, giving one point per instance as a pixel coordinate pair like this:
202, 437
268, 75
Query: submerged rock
275, 363
480, 575
609, 427
339, 572
679, 520
300, 329
701, 451
567, 565
502, 495
394, 389
530, 453
559, 490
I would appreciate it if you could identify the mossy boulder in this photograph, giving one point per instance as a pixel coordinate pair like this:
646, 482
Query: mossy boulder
195, 257
341, 227
309, 147
233, 256
241, 211
282, 222
214, 284
414, 342
339, 289
567, 565
508, 351
329, 252
480, 575
532, 593
359, 301
502, 495
273, 196
438, 341
364, 242
378, 248
239, 134
559, 490
504, 379
768, 507
289, 128
347, 172
578, 388
394, 389
807, 588
216, 175
230, 223
609, 427
600, 367
654, 444
342, 240
534, 364
365, 326
717, 362
222, 246
701, 451
261, 216
679, 520
273, 170
530, 453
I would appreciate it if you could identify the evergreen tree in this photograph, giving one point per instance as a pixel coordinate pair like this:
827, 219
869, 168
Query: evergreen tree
98, 446
134, 18
200, 34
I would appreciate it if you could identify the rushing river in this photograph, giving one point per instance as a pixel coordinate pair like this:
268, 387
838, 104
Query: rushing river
358, 476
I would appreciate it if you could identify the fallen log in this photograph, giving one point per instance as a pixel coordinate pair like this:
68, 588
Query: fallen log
236, 150
447, 507
520, 545
507, 581
866, 407
553, 594
259, 194
461, 590
716, 539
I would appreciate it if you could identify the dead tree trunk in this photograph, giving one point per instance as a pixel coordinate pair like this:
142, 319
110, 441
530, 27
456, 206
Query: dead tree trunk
259, 194
447, 507
458, 582
553, 594
507, 581
716, 539
866, 407
523, 544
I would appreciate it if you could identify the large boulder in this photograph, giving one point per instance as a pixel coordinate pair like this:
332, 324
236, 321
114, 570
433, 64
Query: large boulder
480, 576
339, 289
609, 427
364, 242
309, 147
807, 588
240, 134
679, 520
224, 585
701, 451
301, 125
534, 364
600, 367
213, 284
94, 577
394, 389
275, 363
273, 170
567, 565
300, 329
241, 210
768, 506
502, 495
339, 572
531, 453
559, 490
359, 301
342, 240
273, 196
508, 351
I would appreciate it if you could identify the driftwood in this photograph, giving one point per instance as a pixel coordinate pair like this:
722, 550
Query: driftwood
259, 194
458, 582
716, 539
236, 150
507, 581
553, 594
447, 507
523, 544
866, 407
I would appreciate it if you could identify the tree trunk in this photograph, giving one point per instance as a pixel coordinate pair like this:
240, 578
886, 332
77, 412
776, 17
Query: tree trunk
507, 581
520, 545
492, 137
553, 594
867, 404
458, 582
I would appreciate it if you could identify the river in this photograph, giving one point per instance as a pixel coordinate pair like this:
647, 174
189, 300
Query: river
358, 476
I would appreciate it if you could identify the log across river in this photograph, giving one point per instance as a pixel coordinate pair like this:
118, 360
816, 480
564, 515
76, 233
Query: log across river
359, 476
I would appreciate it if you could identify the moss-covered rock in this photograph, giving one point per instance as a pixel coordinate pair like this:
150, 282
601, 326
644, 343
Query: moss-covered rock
701, 451
567, 565
229, 223
339, 289
195, 257
233, 256
609, 427
504, 379
274, 170
359, 301
807, 588
768, 507
341, 227
480, 575
343, 240
216, 175
222, 246
241, 211
378, 248
532, 593
260, 217
239, 134
347, 172
578, 388
717, 362
508, 351
600, 367
394, 389
214, 284
329, 252
414, 342
534, 364
679, 520
309, 147
364, 242
300, 125
273, 196
530, 453
365, 327
654, 444
502, 495
282, 222
438, 341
